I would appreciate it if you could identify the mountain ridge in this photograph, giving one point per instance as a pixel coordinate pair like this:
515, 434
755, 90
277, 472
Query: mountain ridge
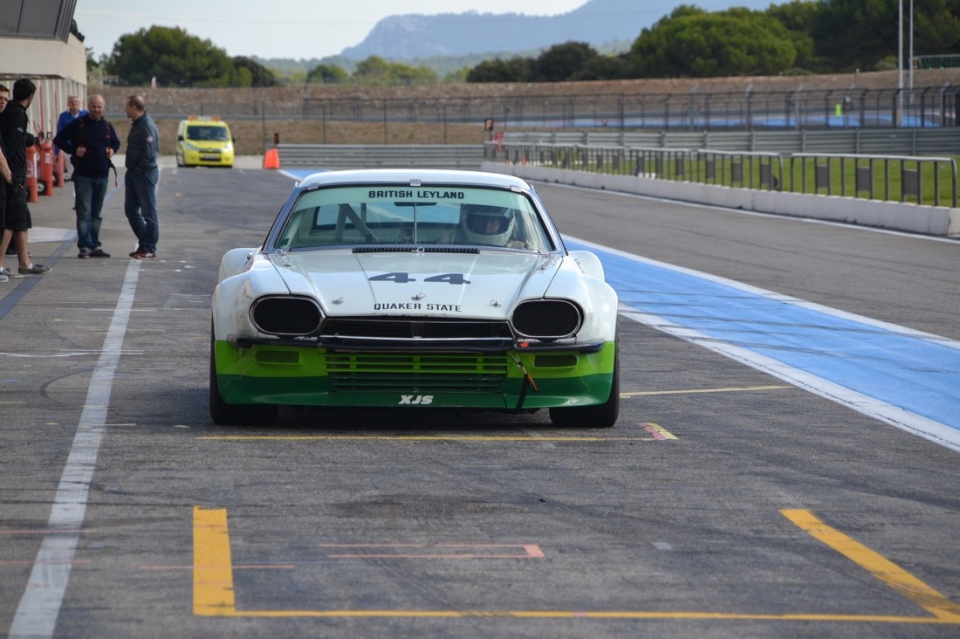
596, 22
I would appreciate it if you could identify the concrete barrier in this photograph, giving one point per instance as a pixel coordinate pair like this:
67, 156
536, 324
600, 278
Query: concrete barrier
899, 216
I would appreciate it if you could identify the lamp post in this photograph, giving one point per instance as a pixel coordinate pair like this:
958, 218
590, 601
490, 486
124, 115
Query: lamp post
899, 64
911, 54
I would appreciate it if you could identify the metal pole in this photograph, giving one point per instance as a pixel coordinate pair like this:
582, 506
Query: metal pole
911, 53
899, 64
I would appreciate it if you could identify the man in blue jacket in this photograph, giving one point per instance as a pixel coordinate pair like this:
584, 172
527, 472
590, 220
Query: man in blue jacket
72, 113
91, 142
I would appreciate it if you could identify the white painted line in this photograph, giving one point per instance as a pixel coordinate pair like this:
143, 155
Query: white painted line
36, 616
905, 420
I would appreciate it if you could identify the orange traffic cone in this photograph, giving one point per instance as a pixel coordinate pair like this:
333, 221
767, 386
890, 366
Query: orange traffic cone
271, 159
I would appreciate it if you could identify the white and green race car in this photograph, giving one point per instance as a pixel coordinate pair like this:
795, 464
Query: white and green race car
414, 289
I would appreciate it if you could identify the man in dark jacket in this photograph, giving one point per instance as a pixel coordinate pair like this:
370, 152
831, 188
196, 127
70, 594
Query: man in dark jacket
91, 142
140, 198
15, 131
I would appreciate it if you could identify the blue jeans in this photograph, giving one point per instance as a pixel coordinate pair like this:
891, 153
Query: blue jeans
140, 206
88, 201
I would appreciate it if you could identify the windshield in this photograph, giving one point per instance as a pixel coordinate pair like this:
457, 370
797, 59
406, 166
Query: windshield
390, 214
207, 133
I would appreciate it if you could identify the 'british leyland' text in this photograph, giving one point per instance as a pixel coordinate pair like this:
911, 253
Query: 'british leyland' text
410, 193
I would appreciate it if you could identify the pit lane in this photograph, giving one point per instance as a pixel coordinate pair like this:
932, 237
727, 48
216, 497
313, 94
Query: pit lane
638, 533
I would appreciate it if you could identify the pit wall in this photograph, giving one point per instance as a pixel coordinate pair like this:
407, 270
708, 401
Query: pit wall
898, 216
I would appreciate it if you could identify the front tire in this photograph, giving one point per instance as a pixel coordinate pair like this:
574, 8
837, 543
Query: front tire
598, 416
224, 414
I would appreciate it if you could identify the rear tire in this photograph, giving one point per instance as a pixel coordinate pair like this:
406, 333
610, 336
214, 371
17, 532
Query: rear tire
598, 416
224, 414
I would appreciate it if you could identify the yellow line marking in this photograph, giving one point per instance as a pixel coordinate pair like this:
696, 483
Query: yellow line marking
564, 614
704, 390
877, 565
464, 438
658, 430
213, 593
212, 564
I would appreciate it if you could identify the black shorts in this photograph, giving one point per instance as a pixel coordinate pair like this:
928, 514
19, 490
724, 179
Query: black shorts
17, 215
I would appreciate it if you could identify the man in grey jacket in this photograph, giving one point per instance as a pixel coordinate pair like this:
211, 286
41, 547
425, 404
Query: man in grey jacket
140, 199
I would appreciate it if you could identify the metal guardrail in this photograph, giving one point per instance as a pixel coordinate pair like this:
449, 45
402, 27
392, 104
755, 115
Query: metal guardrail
850, 175
944, 141
909, 171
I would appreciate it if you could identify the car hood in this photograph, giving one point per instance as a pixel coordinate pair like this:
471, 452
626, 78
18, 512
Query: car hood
475, 285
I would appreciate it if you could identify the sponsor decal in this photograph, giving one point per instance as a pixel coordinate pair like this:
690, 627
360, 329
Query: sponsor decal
410, 193
416, 306
404, 278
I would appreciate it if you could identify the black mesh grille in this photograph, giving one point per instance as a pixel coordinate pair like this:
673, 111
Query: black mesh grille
414, 328
436, 373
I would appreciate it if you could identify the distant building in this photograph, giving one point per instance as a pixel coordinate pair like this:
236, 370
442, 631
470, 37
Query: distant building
43, 44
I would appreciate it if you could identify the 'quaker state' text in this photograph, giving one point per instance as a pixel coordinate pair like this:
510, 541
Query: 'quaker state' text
416, 306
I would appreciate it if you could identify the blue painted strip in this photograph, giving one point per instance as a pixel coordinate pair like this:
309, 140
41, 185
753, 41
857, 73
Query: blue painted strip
913, 372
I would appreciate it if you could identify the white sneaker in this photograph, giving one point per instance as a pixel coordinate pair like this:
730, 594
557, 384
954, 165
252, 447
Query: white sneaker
4, 278
8, 274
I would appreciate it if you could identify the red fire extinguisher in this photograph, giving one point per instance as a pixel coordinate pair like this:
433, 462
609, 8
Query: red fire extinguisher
45, 185
31, 182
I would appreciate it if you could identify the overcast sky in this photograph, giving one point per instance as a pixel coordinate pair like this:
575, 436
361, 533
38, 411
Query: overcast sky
298, 29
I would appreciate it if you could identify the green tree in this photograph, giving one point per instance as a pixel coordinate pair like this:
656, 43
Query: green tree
936, 27
693, 43
260, 75
516, 69
91, 61
604, 67
377, 71
561, 61
327, 74
799, 17
174, 58
856, 33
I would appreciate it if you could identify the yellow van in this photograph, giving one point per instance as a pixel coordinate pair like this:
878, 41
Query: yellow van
204, 142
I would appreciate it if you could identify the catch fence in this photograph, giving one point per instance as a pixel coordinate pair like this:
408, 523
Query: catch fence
797, 109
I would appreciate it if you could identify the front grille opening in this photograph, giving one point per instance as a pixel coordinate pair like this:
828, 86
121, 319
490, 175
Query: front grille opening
396, 372
555, 361
414, 328
278, 357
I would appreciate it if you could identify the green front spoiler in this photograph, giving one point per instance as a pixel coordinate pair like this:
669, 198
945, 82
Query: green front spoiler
309, 376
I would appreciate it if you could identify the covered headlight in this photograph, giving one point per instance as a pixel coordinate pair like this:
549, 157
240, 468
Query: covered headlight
287, 316
547, 319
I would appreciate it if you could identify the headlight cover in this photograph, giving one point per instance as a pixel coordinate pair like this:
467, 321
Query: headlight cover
547, 319
286, 316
